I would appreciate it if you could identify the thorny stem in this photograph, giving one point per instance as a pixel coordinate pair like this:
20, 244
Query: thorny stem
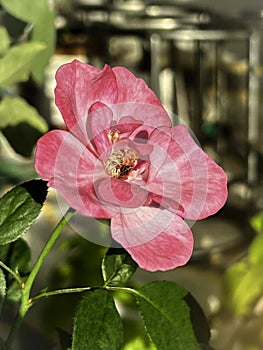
26, 302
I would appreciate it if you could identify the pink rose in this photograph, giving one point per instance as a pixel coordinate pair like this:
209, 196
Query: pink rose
122, 159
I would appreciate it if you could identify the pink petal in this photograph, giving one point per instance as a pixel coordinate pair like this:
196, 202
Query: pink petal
188, 177
126, 125
98, 126
152, 115
120, 193
155, 238
70, 168
79, 85
132, 89
46, 152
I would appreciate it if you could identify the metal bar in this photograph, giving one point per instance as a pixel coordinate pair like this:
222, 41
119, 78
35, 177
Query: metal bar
199, 34
253, 106
155, 44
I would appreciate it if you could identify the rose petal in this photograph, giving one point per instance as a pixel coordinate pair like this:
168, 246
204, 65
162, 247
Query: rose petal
98, 127
79, 85
155, 238
120, 193
126, 125
70, 168
132, 89
46, 151
186, 176
151, 115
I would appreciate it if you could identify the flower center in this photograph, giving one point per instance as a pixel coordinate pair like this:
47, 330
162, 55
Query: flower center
120, 163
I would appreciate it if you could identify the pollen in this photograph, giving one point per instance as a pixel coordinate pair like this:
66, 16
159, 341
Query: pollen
113, 136
120, 163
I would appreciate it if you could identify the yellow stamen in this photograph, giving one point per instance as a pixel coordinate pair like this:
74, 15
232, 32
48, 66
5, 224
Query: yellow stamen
120, 163
113, 136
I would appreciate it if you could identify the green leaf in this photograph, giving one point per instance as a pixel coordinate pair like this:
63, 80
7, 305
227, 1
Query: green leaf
97, 323
19, 208
138, 344
44, 31
257, 222
2, 289
166, 312
12, 171
15, 110
117, 267
17, 256
17, 117
243, 281
16, 65
243, 286
42, 16
27, 10
255, 253
4, 40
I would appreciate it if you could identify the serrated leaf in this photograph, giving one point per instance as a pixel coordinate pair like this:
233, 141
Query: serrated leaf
2, 289
97, 323
4, 40
117, 267
167, 316
15, 110
19, 208
16, 65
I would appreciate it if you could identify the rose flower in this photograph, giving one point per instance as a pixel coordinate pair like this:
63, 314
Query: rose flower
121, 159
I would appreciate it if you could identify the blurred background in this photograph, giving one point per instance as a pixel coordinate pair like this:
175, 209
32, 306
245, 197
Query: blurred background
204, 60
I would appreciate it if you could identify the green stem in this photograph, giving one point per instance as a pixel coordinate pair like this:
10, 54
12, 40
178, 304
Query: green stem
13, 273
60, 292
46, 294
25, 301
124, 289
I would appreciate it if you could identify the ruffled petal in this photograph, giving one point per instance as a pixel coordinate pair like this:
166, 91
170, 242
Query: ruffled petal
155, 238
46, 153
79, 85
98, 126
70, 168
126, 125
120, 193
187, 176
152, 115
133, 89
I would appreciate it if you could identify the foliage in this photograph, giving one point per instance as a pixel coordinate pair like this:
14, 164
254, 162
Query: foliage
166, 308
243, 281
97, 323
117, 267
171, 316
19, 208
39, 14
23, 55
